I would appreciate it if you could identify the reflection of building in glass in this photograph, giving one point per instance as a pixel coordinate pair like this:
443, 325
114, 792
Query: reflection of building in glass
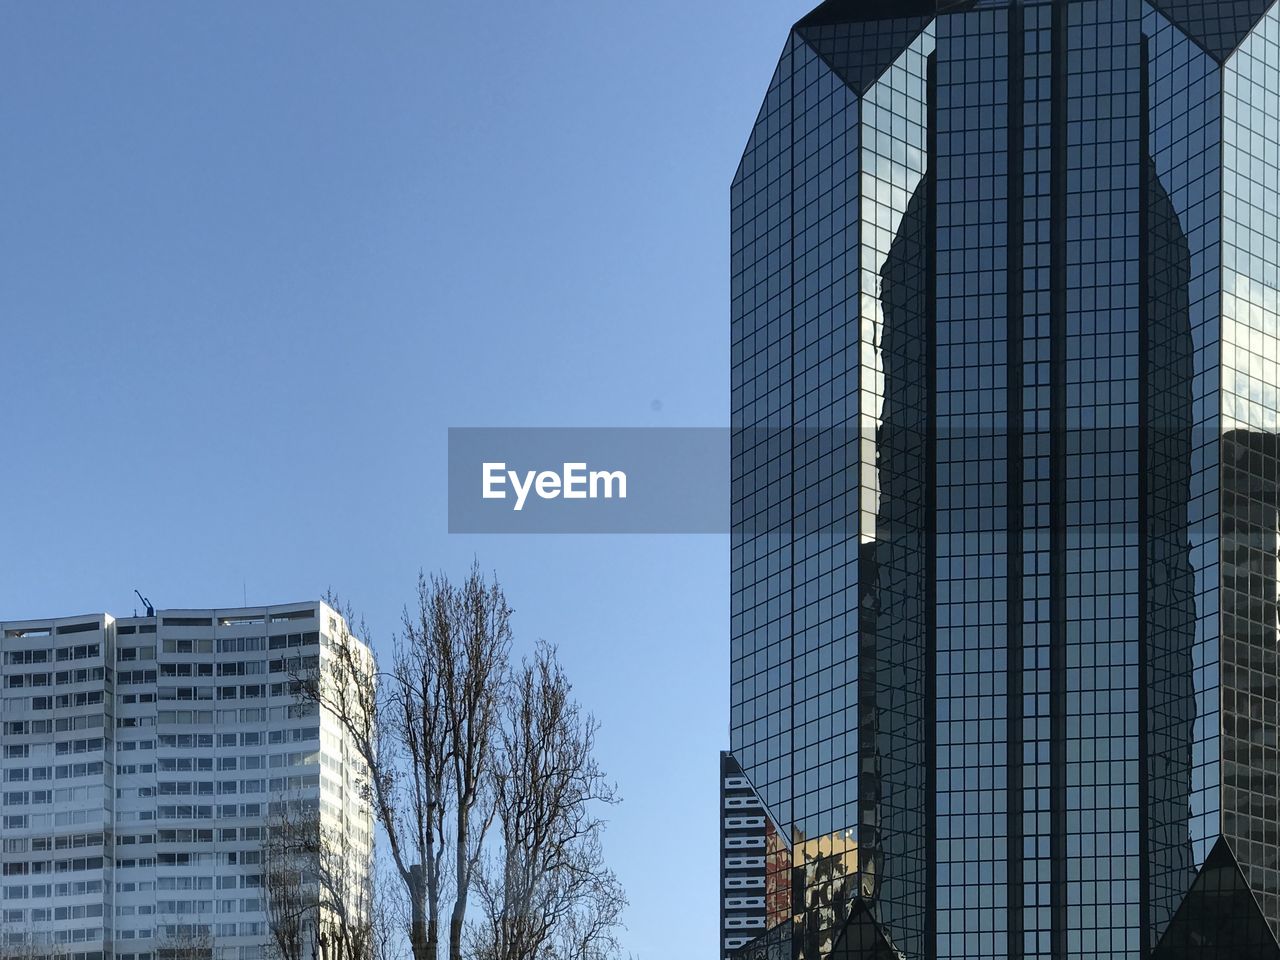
1250, 759
1006, 399
744, 861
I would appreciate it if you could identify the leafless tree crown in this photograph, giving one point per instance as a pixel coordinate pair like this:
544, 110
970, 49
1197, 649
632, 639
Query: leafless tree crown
322, 901
454, 741
545, 892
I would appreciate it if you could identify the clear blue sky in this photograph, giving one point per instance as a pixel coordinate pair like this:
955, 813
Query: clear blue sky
256, 258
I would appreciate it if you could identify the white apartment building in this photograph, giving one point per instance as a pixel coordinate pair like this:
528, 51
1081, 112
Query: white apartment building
143, 759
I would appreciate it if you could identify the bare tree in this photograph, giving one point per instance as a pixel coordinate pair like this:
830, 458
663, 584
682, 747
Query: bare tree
426, 734
28, 945
471, 636
345, 894
289, 903
320, 887
186, 941
385, 919
288, 849
395, 785
546, 893
417, 696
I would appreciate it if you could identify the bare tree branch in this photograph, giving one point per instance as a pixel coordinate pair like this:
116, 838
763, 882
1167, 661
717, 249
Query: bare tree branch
188, 941
547, 893
453, 745
472, 639
417, 703
26, 944
370, 714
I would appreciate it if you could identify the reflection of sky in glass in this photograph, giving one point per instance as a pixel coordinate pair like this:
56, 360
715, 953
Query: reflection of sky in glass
1251, 473
894, 159
1250, 342
1251, 233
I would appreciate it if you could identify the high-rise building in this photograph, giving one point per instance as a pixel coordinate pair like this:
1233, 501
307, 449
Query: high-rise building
144, 762
1006, 483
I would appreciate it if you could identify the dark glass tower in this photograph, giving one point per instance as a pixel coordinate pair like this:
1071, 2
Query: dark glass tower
1006, 486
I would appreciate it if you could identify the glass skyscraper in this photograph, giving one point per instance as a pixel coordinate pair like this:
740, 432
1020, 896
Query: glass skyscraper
1006, 486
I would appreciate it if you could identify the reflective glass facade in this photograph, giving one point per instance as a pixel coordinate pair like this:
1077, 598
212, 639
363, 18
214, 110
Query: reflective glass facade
1006, 482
